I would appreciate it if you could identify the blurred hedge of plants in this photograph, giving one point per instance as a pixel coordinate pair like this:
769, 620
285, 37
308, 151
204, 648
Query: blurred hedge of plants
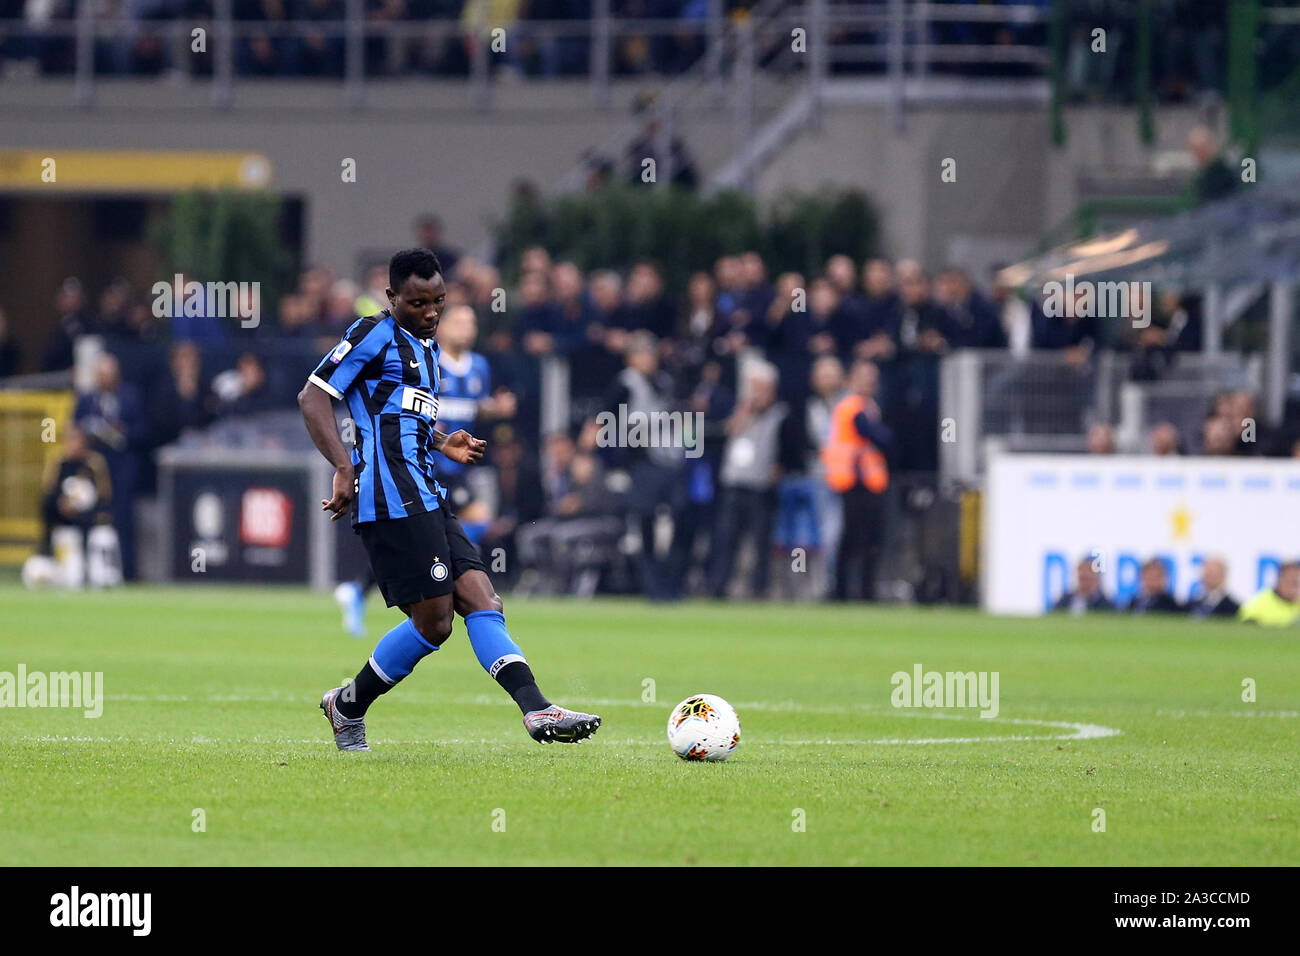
226, 236
683, 232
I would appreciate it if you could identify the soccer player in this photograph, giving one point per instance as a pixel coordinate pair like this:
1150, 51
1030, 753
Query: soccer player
386, 369
464, 396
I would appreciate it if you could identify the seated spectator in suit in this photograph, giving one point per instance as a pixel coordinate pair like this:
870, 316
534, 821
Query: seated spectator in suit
1086, 595
588, 496
1253, 436
1213, 600
1279, 605
1164, 439
1218, 436
1101, 440
1153, 591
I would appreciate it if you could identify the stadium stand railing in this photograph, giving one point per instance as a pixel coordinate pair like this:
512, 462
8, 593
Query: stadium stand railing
896, 38
1180, 402
1039, 402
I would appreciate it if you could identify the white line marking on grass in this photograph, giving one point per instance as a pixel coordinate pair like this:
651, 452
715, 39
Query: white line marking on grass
1078, 731
1228, 713
500, 700
788, 706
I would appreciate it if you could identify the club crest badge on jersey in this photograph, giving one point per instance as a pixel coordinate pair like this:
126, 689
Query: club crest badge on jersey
439, 571
343, 349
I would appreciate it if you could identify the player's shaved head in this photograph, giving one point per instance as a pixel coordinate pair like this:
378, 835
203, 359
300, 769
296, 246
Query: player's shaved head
416, 291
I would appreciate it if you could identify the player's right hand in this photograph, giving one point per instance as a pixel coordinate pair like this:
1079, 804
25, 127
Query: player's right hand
344, 489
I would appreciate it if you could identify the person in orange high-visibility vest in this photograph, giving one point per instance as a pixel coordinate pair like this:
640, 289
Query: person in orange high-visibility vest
856, 470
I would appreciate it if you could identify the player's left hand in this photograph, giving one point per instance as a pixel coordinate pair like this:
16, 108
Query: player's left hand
463, 447
342, 493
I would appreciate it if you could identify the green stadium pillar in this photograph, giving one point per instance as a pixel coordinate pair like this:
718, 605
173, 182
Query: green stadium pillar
1146, 125
1056, 48
1243, 30
1281, 315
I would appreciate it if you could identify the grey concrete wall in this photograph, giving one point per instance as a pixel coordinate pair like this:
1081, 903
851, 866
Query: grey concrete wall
1012, 184
423, 146
419, 146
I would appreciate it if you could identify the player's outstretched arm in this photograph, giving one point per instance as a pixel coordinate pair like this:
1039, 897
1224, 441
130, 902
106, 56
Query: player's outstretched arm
318, 412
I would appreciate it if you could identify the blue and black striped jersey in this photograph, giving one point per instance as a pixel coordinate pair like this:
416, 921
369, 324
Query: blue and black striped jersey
389, 379
464, 384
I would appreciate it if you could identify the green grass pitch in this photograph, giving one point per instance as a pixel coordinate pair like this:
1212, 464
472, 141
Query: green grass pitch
211, 704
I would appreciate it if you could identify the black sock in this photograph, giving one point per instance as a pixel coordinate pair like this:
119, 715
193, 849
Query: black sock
361, 693
517, 680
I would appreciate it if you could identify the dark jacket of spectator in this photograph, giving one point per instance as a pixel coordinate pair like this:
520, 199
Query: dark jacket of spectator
975, 324
1164, 602
1061, 332
1218, 604
1077, 603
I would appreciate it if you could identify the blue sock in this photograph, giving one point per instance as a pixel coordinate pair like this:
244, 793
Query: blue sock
491, 641
503, 660
399, 651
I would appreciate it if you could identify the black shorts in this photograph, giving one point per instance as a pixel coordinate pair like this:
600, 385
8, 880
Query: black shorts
418, 557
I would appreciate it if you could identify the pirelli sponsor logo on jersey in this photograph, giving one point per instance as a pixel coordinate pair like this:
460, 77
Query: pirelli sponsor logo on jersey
420, 402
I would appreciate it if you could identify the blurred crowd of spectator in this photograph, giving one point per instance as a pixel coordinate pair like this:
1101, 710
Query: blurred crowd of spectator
785, 372
1232, 426
321, 51
1189, 49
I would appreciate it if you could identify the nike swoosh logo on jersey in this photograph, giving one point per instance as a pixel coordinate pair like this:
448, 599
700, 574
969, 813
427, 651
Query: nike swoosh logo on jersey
415, 364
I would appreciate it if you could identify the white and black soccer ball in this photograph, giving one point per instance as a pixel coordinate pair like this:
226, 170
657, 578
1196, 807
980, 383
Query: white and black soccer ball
80, 492
703, 727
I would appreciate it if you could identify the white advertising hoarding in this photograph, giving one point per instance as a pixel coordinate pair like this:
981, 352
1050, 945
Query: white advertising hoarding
1042, 513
